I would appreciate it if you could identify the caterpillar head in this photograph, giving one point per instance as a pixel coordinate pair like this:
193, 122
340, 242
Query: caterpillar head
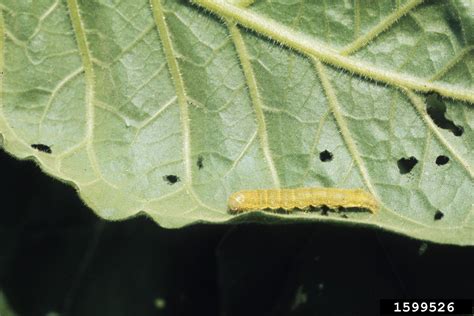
236, 202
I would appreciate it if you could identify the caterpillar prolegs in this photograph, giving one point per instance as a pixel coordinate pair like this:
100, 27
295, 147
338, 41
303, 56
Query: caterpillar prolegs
301, 198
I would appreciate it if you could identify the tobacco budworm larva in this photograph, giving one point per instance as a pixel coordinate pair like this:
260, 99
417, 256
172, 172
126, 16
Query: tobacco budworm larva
301, 198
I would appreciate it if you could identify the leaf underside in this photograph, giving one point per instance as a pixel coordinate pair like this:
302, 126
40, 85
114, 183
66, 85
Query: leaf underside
167, 107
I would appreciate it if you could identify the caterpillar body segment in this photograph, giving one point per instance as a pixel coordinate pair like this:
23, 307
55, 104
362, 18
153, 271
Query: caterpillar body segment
301, 198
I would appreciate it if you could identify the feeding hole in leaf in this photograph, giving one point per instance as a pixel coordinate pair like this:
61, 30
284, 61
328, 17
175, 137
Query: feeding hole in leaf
405, 165
200, 162
437, 111
325, 156
442, 160
42, 147
438, 215
171, 179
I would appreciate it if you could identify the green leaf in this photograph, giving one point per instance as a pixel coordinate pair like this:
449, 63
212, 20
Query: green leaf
167, 107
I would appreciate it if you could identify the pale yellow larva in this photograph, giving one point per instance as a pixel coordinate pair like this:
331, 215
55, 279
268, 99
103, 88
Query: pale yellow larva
301, 198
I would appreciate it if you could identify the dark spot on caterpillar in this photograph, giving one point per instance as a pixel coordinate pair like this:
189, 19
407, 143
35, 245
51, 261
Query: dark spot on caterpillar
405, 165
344, 216
324, 210
171, 179
436, 109
199, 162
280, 211
42, 147
438, 215
442, 160
325, 156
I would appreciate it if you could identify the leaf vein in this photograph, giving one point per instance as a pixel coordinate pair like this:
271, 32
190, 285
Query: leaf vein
55, 92
178, 83
242, 153
84, 51
356, 18
449, 65
175, 73
255, 97
312, 48
381, 27
341, 123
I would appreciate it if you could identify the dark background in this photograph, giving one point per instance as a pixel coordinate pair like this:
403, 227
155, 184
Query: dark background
57, 256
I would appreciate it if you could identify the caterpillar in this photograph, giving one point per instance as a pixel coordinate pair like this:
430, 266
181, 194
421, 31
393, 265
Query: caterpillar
301, 198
